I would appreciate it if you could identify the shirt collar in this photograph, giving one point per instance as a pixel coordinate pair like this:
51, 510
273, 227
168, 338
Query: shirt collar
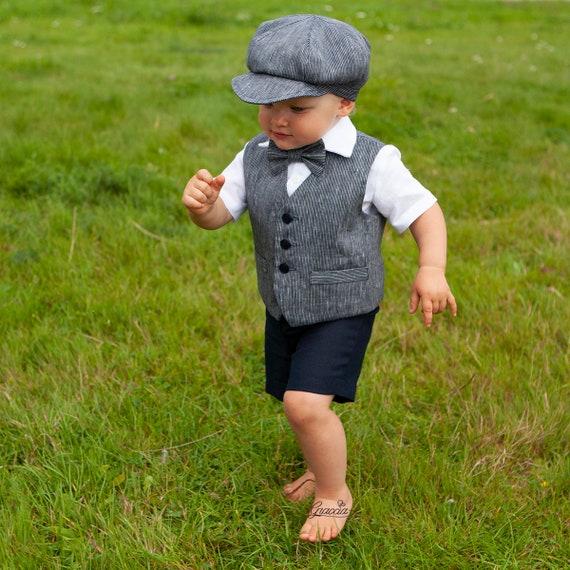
340, 139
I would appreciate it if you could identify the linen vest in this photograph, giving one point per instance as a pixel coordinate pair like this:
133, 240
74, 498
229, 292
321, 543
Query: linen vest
317, 253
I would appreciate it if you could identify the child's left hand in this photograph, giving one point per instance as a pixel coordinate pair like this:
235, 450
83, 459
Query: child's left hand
431, 288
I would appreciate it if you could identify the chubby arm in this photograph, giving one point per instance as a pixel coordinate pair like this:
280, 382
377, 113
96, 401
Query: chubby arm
430, 285
201, 198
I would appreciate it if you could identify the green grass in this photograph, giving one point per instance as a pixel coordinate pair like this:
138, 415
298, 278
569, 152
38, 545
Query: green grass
134, 430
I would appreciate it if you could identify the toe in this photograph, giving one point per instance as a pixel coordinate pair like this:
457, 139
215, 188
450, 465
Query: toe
326, 519
326, 534
305, 533
310, 532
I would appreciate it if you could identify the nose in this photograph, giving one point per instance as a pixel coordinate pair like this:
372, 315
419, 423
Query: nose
279, 117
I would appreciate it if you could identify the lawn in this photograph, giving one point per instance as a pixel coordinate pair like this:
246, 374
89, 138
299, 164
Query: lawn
134, 427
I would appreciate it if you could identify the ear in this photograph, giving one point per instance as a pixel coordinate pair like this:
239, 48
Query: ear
345, 107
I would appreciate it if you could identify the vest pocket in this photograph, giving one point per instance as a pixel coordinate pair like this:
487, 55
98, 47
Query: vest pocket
340, 276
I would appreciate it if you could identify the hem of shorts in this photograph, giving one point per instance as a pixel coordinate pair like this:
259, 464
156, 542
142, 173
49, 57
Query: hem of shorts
337, 398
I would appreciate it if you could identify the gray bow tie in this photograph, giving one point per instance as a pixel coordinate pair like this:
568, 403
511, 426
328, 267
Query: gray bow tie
313, 155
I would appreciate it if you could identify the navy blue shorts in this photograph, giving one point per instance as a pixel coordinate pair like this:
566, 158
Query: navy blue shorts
324, 358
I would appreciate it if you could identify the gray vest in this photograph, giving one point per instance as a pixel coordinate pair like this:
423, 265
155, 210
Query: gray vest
317, 254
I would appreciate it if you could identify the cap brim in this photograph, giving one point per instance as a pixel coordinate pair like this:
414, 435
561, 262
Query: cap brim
262, 89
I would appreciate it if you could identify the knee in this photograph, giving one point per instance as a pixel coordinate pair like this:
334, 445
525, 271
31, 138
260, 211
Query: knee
304, 409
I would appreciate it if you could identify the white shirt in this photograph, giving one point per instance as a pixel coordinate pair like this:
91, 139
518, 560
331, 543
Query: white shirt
391, 189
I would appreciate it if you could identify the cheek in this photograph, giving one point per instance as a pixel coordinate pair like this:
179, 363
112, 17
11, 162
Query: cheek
262, 120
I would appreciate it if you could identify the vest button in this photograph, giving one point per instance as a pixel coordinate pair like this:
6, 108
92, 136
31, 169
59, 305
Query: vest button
284, 268
285, 244
287, 218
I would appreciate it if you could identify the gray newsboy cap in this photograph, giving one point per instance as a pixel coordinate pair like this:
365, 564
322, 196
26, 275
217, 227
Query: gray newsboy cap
303, 56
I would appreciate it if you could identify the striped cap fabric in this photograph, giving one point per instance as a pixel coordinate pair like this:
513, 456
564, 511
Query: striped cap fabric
303, 55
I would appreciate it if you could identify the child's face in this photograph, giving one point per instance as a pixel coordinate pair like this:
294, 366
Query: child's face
298, 122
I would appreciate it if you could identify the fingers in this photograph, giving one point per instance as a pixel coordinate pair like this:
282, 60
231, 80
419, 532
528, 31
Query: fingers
427, 307
202, 190
432, 306
428, 311
218, 182
414, 301
452, 304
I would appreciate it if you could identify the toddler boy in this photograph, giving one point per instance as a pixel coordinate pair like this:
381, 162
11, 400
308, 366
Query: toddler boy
319, 193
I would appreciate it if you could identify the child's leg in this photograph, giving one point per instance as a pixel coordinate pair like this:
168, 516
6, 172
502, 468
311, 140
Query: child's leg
321, 436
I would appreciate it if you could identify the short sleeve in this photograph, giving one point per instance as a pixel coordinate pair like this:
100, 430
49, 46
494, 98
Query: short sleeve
394, 192
233, 192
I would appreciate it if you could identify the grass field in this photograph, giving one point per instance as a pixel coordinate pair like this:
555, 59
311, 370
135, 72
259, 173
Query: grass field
134, 429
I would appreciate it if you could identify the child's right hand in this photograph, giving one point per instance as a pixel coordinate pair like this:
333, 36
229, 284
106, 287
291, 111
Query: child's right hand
201, 192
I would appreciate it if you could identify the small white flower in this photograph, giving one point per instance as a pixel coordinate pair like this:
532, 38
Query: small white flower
361, 15
477, 58
453, 110
328, 8
389, 37
428, 41
19, 44
544, 46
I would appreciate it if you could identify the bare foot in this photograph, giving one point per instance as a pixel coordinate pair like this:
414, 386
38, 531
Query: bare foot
327, 518
300, 489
